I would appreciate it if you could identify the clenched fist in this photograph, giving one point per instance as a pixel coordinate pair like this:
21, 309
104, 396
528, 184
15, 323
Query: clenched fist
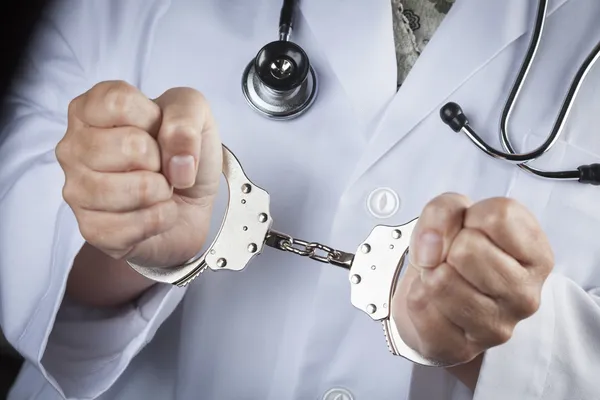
141, 174
475, 271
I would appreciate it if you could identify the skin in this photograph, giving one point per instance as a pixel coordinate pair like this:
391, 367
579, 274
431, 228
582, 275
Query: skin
133, 195
475, 270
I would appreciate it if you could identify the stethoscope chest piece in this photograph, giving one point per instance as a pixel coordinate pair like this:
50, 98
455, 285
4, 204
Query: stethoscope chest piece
279, 82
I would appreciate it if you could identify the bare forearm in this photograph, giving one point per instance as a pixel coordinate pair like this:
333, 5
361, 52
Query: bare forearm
101, 281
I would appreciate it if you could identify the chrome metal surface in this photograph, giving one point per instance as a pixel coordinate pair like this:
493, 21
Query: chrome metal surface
373, 278
283, 242
244, 228
274, 104
377, 265
510, 154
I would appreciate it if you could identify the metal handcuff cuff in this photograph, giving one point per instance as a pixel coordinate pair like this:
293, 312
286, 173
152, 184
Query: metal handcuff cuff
246, 229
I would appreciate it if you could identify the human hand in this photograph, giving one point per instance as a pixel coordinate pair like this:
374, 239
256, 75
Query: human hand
475, 271
141, 175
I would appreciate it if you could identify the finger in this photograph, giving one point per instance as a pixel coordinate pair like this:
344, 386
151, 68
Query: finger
440, 222
494, 273
484, 265
119, 149
117, 192
118, 233
116, 103
186, 120
438, 337
479, 316
514, 229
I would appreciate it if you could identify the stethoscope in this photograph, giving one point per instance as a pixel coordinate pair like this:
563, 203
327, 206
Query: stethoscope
281, 84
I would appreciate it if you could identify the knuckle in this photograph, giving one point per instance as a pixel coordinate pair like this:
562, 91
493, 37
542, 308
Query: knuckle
180, 133
501, 213
445, 208
437, 208
70, 193
155, 218
62, 151
501, 334
89, 230
72, 107
529, 302
134, 144
118, 96
461, 250
439, 280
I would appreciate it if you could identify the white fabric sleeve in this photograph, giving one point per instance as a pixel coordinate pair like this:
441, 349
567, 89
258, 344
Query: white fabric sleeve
80, 352
553, 355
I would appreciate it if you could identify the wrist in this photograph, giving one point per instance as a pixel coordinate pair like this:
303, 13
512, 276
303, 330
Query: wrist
98, 280
468, 373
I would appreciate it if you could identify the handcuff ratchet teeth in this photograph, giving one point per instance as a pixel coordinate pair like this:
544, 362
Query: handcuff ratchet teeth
374, 269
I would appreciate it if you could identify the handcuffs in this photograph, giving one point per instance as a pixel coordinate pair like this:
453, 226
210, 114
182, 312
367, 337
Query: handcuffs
246, 229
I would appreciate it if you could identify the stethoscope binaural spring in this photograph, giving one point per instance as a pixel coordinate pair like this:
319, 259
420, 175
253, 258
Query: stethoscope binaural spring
280, 83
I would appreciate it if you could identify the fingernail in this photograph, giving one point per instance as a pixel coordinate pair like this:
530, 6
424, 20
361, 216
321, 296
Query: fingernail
182, 172
429, 249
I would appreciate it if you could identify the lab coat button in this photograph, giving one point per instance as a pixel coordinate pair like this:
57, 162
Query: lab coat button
338, 394
383, 202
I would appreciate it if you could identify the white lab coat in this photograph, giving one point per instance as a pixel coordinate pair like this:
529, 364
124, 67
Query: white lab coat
284, 327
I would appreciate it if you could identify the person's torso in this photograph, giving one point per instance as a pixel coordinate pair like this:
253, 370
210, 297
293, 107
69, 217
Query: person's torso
284, 327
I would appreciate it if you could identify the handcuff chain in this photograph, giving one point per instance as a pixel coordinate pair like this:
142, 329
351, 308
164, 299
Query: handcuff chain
303, 248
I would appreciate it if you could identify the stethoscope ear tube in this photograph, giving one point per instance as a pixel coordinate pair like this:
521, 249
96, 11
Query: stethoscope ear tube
453, 116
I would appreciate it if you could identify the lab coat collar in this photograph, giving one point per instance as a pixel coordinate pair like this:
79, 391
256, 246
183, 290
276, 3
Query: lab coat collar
470, 36
357, 43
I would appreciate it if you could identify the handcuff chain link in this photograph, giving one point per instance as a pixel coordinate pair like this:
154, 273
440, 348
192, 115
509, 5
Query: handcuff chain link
303, 248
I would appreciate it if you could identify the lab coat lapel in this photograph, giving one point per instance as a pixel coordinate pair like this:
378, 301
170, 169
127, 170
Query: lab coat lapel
470, 36
356, 40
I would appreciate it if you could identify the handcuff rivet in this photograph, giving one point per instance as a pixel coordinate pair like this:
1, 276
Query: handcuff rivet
221, 263
373, 267
355, 279
252, 247
396, 234
262, 217
365, 248
371, 308
391, 247
244, 228
246, 188
243, 201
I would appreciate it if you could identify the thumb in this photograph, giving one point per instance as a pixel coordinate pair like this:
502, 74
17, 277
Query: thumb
440, 222
190, 147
